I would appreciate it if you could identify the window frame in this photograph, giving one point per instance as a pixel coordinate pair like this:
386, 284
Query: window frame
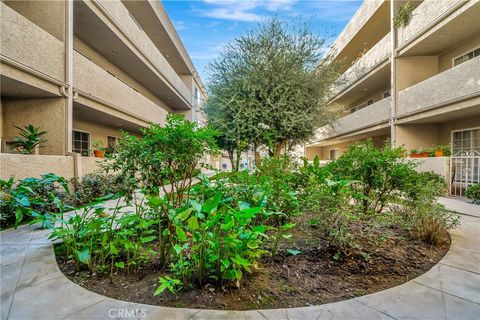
89, 141
464, 54
452, 132
329, 153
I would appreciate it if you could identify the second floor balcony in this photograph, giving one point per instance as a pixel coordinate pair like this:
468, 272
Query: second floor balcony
368, 118
370, 62
453, 85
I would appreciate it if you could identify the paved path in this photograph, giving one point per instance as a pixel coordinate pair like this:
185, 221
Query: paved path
32, 287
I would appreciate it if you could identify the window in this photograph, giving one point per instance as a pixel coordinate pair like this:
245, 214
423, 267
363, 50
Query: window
468, 56
334, 153
81, 142
197, 95
466, 140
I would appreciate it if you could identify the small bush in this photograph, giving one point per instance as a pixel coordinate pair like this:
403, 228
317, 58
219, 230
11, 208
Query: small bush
473, 193
31, 198
93, 186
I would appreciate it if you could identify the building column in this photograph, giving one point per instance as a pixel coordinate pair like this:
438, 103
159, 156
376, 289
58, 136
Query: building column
393, 76
68, 75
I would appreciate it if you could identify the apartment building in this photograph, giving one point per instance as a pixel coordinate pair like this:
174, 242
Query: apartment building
83, 71
417, 85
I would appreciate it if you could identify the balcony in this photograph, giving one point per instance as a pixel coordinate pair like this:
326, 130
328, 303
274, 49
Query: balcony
371, 116
25, 43
120, 39
423, 16
95, 83
371, 60
439, 25
458, 83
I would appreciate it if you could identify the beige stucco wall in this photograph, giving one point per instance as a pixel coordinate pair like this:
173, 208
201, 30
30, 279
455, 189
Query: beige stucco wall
91, 164
27, 43
48, 114
92, 80
25, 166
438, 165
446, 128
48, 15
103, 63
119, 13
324, 151
414, 136
412, 70
445, 60
376, 95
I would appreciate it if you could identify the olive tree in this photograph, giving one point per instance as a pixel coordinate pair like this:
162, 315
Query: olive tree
270, 86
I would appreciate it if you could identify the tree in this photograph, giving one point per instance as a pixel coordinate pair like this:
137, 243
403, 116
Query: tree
270, 87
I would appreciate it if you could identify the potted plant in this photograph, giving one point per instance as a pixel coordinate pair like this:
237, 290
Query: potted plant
98, 149
442, 151
30, 138
418, 153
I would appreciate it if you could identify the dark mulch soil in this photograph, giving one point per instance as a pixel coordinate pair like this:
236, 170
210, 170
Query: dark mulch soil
310, 278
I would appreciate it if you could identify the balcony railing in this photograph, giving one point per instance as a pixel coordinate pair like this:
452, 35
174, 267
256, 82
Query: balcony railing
423, 16
456, 83
120, 14
370, 116
26, 43
369, 61
91, 80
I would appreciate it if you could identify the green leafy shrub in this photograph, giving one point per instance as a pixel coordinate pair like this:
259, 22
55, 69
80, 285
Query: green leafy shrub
380, 171
106, 239
166, 155
31, 198
215, 243
403, 15
93, 186
473, 193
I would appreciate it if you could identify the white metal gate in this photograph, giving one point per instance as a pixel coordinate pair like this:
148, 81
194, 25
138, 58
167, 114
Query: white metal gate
465, 171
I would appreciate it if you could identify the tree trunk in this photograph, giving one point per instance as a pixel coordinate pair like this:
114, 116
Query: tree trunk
257, 154
278, 148
230, 157
239, 155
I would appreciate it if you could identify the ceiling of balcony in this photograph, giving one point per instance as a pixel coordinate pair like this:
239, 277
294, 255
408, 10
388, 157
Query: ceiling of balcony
88, 114
447, 34
157, 25
13, 88
376, 80
377, 26
94, 32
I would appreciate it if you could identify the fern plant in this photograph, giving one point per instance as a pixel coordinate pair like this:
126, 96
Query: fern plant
30, 137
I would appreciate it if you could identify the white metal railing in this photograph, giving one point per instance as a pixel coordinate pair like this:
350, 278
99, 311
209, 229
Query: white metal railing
465, 171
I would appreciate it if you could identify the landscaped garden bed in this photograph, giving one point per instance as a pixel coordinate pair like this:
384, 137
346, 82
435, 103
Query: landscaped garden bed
309, 278
285, 234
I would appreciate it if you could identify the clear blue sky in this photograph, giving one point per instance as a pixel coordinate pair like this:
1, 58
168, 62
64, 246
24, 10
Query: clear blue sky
205, 26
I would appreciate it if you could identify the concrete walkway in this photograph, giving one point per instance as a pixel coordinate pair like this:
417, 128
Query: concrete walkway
32, 287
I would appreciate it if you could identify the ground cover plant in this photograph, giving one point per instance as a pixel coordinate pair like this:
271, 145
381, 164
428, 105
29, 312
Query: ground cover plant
253, 239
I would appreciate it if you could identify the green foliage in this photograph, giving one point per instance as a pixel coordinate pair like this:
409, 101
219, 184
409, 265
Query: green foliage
270, 86
30, 137
216, 242
381, 172
107, 239
93, 186
168, 154
403, 15
473, 193
31, 198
